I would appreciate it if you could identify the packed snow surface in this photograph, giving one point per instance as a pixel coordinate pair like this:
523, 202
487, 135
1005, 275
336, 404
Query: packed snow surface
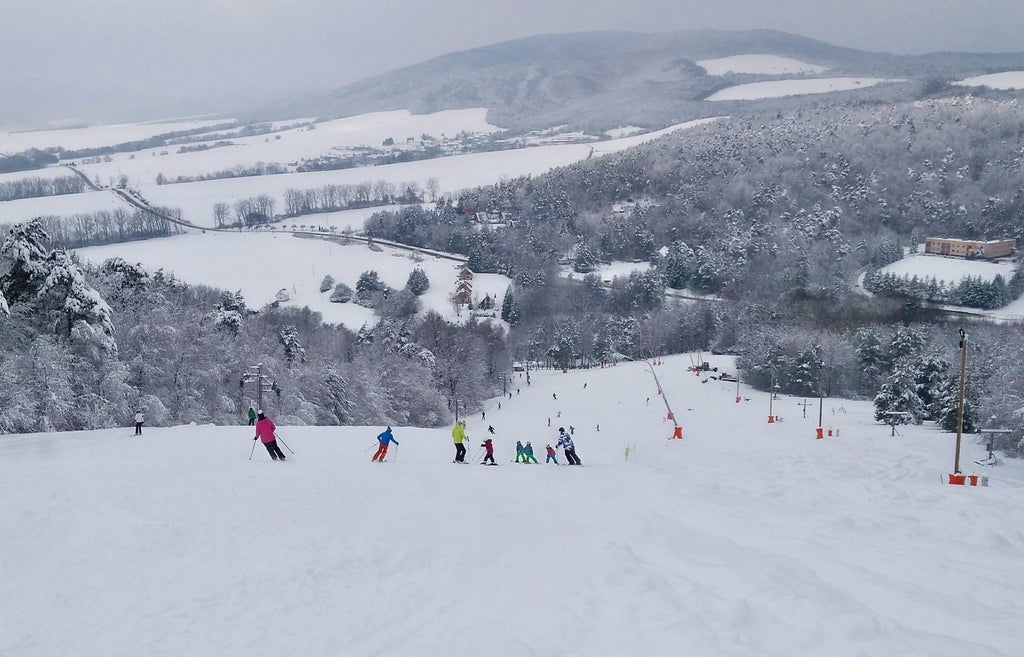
779, 88
743, 538
1006, 80
758, 64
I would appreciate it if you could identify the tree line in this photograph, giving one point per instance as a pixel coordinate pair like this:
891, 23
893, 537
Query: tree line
39, 187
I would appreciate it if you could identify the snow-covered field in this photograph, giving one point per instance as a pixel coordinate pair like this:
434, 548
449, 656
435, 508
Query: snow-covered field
758, 64
453, 174
97, 136
48, 173
744, 538
950, 270
196, 200
260, 264
779, 88
292, 145
59, 206
1006, 80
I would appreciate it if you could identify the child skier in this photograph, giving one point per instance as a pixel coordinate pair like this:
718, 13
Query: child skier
265, 432
552, 455
488, 445
528, 453
520, 455
384, 438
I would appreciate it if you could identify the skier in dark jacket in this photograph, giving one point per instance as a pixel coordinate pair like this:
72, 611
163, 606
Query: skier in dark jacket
565, 442
384, 438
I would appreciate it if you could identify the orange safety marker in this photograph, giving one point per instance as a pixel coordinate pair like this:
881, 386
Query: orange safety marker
771, 419
678, 432
821, 434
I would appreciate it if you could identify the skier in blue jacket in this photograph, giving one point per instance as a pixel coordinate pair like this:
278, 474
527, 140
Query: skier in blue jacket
528, 453
384, 438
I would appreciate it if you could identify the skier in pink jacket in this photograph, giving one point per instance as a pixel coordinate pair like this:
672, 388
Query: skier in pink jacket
265, 432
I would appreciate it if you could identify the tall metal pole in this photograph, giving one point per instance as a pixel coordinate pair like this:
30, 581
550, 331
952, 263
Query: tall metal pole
771, 393
960, 403
821, 389
259, 387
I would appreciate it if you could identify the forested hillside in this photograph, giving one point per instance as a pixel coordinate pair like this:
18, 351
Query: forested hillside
773, 214
771, 217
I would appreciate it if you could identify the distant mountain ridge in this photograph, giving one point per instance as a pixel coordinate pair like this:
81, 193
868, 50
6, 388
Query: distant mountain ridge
601, 79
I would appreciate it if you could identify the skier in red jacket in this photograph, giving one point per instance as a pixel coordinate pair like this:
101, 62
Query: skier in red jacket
488, 446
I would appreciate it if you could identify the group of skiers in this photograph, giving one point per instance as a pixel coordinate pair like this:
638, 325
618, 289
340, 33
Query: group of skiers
265, 432
524, 453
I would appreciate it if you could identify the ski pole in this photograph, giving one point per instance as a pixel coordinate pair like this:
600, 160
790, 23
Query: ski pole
278, 436
253, 448
367, 450
395, 458
478, 453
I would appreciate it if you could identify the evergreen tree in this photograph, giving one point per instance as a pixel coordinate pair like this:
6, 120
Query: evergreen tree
565, 344
293, 349
898, 401
342, 293
327, 283
24, 266
418, 282
945, 406
584, 260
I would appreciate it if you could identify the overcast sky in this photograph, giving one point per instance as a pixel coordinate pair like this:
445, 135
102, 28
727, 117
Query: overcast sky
192, 48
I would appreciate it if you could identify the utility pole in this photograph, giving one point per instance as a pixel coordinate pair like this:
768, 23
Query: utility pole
262, 383
821, 390
960, 403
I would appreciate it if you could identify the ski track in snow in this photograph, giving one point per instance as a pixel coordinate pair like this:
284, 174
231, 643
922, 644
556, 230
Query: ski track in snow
744, 538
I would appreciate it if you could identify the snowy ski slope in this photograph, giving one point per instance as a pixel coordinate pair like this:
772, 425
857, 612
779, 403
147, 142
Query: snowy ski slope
744, 538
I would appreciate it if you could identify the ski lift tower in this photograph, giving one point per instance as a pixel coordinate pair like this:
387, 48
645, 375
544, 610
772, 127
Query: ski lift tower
261, 382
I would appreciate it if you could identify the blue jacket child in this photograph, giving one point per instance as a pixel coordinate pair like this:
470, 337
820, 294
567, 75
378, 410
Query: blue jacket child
528, 453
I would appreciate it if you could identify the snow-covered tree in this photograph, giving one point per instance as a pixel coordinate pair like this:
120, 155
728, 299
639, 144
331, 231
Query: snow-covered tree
82, 315
342, 293
327, 283
418, 282
898, 401
293, 349
24, 267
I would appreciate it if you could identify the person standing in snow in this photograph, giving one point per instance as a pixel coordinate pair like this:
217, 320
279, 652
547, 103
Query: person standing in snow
565, 442
252, 416
552, 455
528, 453
520, 455
139, 419
265, 432
488, 446
459, 435
384, 438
